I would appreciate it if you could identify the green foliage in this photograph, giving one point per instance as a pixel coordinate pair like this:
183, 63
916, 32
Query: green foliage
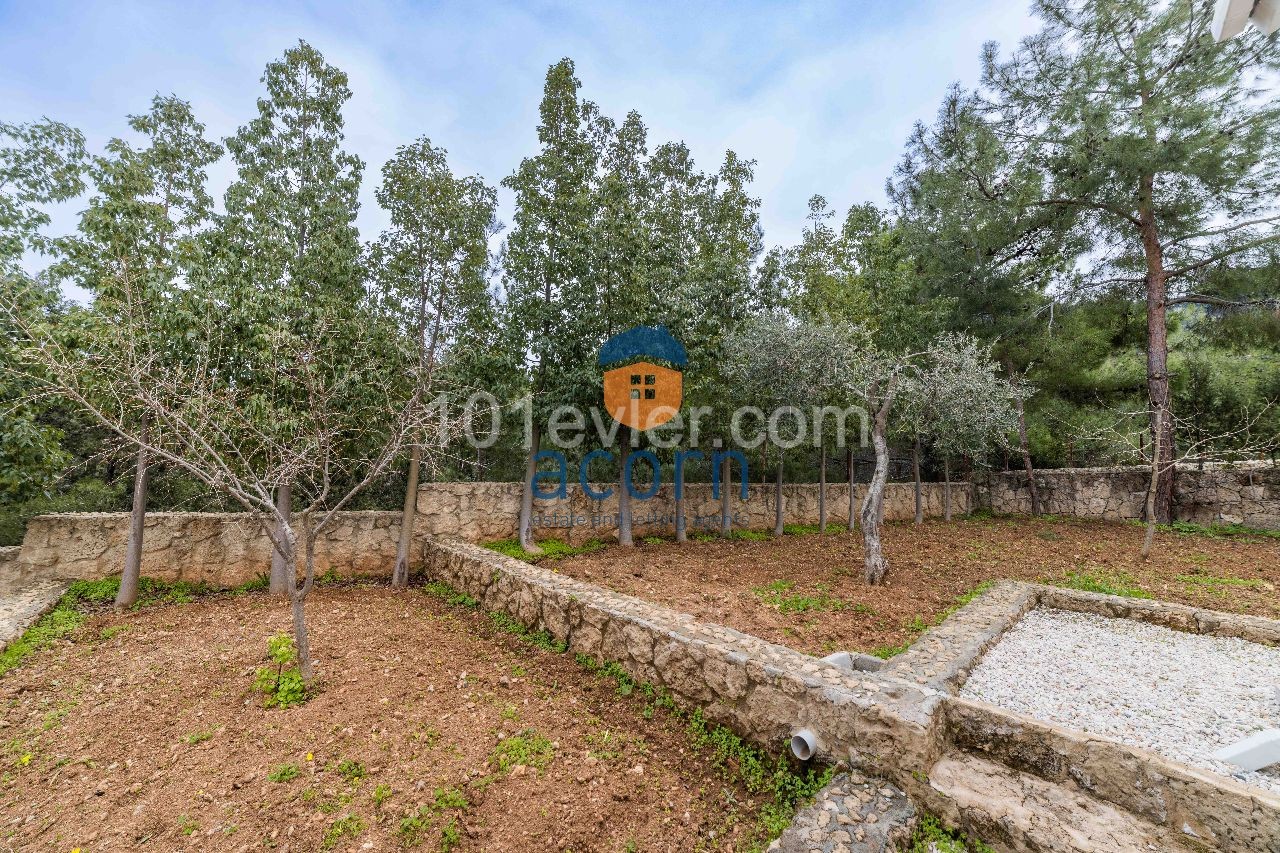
351, 770
775, 595
1103, 581
526, 748
351, 825
449, 595
281, 684
886, 652
1219, 531
932, 837
552, 549
283, 773
540, 639
84, 496
381, 793
54, 625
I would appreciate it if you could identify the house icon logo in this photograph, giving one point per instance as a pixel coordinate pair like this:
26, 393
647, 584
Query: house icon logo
643, 383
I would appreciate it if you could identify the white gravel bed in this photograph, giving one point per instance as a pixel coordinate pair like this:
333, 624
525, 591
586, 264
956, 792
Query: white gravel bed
1181, 695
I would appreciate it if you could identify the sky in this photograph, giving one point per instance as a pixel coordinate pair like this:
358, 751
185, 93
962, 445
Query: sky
822, 95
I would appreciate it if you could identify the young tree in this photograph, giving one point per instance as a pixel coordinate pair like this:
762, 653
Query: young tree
431, 266
1158, 141
143, 225
289, 229
335, 421
962, 406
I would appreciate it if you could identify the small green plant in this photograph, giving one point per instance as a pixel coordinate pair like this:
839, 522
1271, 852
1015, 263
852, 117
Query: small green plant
351, 770
528, 748
283, 773
1219, 531
110, 631
540, 639
381, 794
449, 595
281, 683
653, 540
449, 798
750, 535
414, 826
260, 583
510, 713
197, 737
1107, 583
932, 837
886, 652
1218, 585
450, 836
187, 826
351, 825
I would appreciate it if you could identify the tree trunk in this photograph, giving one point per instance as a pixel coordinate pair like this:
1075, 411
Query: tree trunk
1025, 448
946, 488
400, 576
726, 500
1157, 349
526, 496
822, 492
877, 567
624, 494
127, 595
915, 474
853, 506
778, 522
1153, 489
280, 572
297, 597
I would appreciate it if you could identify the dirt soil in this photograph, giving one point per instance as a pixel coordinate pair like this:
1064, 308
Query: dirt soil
806, 591
143, 732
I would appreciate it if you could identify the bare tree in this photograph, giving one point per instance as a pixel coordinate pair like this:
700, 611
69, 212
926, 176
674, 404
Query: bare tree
188, 412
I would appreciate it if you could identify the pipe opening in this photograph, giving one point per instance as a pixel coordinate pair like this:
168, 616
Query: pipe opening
803, 744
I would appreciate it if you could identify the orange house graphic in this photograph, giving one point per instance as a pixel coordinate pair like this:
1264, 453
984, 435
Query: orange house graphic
643, 384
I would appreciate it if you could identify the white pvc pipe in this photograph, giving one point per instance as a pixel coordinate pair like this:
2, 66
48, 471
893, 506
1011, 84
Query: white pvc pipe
804, 744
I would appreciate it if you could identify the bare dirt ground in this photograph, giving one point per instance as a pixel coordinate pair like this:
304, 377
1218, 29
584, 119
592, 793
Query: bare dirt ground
806, 592
143, 732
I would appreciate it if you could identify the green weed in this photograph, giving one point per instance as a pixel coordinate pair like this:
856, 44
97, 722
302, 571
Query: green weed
283, 773
775, 595
932, 837
528, 748
1107, 583
350, 825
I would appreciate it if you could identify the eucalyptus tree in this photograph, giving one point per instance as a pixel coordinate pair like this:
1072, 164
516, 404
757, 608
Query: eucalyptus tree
546, 263
287, 246
40, 163
431, 267
138, 241
1160, 142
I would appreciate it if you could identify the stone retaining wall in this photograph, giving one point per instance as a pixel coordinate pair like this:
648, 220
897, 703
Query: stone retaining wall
227, 549
220, 549
1248, 494
480, 512
9, 559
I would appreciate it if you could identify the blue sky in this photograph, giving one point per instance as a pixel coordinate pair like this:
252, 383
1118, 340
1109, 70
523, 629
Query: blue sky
822, 95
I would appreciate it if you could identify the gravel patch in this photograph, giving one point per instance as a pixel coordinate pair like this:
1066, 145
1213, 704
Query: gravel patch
1181, 695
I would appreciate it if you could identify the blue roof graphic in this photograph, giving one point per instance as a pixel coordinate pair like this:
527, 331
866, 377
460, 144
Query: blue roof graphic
641, 342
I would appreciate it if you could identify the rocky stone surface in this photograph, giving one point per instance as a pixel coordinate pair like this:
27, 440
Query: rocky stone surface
1247, 494
23, 602
852, 814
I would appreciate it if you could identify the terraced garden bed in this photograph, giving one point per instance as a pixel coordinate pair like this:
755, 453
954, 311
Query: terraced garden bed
805, 590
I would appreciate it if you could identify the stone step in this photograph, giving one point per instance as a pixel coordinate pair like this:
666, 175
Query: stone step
852, 814
1015, 811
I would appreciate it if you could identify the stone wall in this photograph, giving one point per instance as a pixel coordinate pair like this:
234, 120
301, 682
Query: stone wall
9, 559
481, 512
228, 549
220, 549
1020, 783
1247, 494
